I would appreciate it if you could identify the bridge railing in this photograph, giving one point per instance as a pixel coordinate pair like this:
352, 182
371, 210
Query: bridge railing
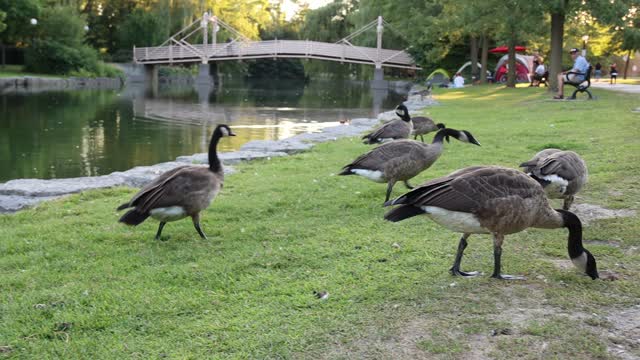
273, 48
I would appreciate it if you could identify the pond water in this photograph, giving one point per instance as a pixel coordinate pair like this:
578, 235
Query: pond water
88, 133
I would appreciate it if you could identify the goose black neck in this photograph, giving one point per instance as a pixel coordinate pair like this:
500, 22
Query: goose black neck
442, 133
214, 161
405, 117
573, 224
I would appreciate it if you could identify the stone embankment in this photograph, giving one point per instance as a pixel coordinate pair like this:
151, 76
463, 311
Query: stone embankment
21, 193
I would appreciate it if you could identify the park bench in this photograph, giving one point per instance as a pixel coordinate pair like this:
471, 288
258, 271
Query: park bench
582, 86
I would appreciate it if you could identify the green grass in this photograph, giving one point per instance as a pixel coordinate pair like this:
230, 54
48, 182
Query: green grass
18, 71
74, 283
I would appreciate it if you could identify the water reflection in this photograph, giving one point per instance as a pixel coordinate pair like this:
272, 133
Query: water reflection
88, 133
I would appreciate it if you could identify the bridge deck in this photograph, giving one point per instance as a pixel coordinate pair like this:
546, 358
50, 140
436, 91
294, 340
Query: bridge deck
341, 52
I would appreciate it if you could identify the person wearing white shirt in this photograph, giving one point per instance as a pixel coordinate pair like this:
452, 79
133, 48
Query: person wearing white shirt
576, 75
538, 73
458, 81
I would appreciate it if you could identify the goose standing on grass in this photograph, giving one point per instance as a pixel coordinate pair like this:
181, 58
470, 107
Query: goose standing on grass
562, 174
491, 200
181, 192
392, 130
423, 125
401, 160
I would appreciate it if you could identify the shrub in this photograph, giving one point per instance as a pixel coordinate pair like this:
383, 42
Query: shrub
52, 57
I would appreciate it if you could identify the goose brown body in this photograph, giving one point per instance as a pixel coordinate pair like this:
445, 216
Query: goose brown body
490, 200
182, 192
423, 125
562, 173
402, 160
392, 130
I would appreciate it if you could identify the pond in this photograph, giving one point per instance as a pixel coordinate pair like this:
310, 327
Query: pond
88, 133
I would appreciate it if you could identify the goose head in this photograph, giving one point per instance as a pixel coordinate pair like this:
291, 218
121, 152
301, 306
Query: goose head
580, 257
461, 135
223, 130
403, 112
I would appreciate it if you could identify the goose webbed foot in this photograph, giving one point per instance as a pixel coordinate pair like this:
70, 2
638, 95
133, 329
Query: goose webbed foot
458, 272
162, 224
508, 277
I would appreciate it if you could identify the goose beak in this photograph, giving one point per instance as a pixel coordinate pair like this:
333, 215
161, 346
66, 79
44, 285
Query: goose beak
475, 142
232, 134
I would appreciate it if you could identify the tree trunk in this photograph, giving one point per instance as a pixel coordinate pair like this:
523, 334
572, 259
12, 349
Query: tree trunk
626, 65
474, 59
4, 58
511, 62
555, 61
484, 58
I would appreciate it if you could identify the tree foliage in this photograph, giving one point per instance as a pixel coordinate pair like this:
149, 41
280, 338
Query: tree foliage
59, 46
17, 20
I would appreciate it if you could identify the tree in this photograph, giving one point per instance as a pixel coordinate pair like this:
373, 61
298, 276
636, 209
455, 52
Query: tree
59, 46
17, 20
607, 12
3, 16
631, 43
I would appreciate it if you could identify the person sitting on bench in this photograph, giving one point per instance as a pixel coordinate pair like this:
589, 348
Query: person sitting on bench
576, 75
538, 74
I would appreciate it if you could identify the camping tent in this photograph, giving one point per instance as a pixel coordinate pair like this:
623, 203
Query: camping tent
524, 67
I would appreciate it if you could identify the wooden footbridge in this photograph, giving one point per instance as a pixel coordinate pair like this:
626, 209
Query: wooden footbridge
178, 49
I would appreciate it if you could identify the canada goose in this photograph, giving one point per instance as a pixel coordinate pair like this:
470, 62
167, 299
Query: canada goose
423, 125
181, 192
394, 129
401, 160
561, 173
491, 200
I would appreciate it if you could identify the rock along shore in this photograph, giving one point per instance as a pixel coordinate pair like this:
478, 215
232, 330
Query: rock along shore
18, 194
30, 84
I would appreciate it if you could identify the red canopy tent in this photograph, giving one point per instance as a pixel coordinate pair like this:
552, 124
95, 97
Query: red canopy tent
504, 49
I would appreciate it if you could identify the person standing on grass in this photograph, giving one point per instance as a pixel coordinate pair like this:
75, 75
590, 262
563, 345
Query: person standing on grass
598, 71
613, 71
576, 75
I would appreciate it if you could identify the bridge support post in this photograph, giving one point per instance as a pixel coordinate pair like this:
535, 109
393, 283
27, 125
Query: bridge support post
151, 75
378, 81
204, 75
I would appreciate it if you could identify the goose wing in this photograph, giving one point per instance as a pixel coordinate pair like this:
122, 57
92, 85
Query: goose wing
394, 128
376, 159
566, 164
472, 190
170, 187
531, 165
423, 124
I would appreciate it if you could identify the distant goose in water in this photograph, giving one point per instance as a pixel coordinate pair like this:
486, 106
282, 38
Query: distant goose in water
491, 200
423, 125
394, 129
561, 173
401, 160
181, 192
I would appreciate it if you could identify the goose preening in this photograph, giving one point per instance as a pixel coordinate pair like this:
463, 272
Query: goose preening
401, 160
181, 192
491, 200
394, 129
561, 173
423, 125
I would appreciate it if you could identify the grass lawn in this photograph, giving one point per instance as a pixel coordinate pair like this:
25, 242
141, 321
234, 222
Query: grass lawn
74, 283
17, 71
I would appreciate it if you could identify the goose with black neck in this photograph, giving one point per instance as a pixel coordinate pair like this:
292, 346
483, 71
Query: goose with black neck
181, 192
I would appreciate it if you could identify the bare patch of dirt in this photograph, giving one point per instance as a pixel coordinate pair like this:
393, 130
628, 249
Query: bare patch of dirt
589, 213
624, 334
